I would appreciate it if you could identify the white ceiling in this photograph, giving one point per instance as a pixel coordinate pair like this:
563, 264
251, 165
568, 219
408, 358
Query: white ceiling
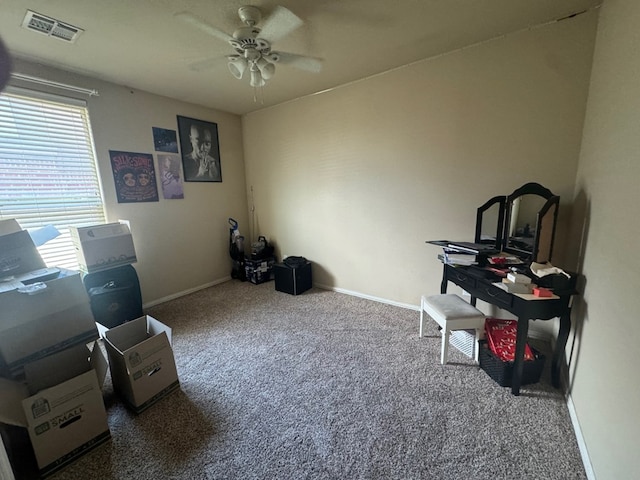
140, 44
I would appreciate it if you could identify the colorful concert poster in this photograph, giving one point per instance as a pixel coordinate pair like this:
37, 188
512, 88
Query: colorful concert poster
134, 177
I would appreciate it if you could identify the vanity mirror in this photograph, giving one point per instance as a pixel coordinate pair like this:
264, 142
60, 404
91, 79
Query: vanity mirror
531, 213
490, 221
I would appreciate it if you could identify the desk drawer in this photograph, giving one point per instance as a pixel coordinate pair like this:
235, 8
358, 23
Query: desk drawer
496, 295
460, 278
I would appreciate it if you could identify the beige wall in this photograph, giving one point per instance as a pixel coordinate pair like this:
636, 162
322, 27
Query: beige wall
181, 244
356, 179
605, 387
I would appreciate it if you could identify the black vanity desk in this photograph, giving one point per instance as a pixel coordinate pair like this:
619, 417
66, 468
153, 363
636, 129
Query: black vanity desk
476, 282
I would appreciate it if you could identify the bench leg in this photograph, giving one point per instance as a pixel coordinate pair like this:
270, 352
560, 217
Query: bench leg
445, 345
476, 346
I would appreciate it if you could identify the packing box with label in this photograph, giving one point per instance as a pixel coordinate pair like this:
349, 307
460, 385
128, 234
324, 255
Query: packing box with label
100, 247
49, 317
61, 405
143, 368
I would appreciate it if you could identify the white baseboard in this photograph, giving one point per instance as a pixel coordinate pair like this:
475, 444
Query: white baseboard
158, 301
368, 297
586, 461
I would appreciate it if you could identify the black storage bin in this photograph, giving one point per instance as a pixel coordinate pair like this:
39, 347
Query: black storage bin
292, 279
114, 295
502, 372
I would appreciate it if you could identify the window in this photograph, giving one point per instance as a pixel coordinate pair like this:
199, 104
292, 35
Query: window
48, 173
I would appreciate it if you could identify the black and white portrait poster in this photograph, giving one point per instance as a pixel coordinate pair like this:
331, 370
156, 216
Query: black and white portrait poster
200, 150
134, 177
170, 176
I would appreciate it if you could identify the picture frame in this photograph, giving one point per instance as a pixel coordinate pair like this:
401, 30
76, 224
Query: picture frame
134, 176
200, 150
164, 140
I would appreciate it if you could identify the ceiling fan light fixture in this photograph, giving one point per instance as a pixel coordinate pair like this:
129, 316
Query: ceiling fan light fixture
237, 65
256, 79
266, 69
273, 57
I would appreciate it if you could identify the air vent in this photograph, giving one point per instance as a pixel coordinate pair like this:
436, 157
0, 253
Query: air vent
51, 27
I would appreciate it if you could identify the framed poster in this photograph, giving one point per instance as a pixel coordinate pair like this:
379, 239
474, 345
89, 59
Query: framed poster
164, 140
200, 150
170, 176
134, 177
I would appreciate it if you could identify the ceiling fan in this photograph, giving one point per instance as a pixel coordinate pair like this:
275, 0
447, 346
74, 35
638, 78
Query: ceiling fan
252, 45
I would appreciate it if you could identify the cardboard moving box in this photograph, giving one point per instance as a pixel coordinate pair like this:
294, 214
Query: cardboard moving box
143, 367
60, 404
100, 247
18, 254
35, 325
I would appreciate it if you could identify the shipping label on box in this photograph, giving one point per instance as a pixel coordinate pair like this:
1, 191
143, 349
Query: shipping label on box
100, 247
142, 364
34, 326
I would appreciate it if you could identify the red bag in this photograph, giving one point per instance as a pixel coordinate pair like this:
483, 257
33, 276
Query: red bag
501, 338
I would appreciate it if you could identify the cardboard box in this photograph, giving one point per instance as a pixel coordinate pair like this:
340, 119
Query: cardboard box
143, 368
61, 405
35, 325
100, 247
18, 254
259, 271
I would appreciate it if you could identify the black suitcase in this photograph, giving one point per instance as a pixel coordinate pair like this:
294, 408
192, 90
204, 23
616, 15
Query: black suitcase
114, 295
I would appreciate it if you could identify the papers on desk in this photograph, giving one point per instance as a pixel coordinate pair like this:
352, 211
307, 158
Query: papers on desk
452, 258
465, 247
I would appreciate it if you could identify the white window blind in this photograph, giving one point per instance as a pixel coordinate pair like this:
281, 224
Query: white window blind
48, 173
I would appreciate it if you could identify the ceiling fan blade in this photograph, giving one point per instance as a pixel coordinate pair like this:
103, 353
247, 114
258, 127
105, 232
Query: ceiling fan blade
308, 64
279, 24
191, 19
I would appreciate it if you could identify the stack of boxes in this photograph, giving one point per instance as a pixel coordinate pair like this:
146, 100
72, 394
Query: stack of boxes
143, 368
51, 383
516, 283
52, 366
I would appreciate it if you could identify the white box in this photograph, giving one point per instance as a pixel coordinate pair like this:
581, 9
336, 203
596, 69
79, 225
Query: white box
143, 367
100, 247
518, 278
54, 318
60, 404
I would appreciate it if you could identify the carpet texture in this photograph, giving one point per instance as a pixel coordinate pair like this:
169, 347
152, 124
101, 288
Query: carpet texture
326, 386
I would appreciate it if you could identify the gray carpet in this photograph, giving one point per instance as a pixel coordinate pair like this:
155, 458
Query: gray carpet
326, 386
